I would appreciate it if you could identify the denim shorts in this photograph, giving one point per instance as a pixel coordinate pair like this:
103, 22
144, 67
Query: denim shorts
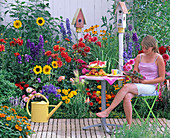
145, 88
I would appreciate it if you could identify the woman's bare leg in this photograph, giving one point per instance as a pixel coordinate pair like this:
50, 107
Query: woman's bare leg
128, 107
127, 88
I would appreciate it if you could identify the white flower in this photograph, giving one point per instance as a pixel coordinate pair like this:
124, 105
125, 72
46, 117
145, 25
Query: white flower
29, 90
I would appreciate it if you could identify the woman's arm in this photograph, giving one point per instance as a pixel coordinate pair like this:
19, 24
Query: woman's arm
161, 72
136, 63
134, 79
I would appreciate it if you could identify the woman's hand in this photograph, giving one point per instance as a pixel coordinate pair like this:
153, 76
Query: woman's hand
135, 80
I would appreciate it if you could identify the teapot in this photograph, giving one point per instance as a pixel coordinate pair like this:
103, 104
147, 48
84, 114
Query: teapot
39, 110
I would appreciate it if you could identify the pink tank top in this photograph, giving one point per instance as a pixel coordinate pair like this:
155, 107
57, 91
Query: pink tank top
149, 70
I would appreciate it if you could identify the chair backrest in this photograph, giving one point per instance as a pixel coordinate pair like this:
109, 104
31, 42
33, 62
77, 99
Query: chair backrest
155, 93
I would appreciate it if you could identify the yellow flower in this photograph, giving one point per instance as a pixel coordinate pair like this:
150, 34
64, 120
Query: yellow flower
58, 90
64, 97
17, 24
94, 32
98, 92
86, 30
74, 92
70, 95
99, 86
67, 101
101, 34
47, 69
55, 64
8, 118
96, 26
91, 28
7, 124
37, 69
40, 21
65, 91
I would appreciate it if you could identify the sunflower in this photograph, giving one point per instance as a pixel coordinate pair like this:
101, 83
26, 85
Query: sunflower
46, 69
40, 21
17, 24
37, 69
55, 64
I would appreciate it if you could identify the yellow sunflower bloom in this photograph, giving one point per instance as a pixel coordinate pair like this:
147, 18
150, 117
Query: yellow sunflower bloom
37, 69
40, 21
47, 69
55, 64
17, 24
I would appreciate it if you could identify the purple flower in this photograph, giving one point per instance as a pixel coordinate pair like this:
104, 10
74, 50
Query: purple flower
39, 80
19, 59
130, 27
49, 60
134, 37
63, 30
27, 57
68, 28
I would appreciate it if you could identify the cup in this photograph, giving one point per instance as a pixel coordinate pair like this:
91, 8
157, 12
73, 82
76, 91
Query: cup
115, 71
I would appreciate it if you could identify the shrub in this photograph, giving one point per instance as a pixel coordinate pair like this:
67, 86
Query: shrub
12, 125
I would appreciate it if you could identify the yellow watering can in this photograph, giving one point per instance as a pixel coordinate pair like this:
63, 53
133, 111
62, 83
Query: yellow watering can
39, 110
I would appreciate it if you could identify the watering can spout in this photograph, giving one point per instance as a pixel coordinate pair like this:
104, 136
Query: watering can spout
56, 107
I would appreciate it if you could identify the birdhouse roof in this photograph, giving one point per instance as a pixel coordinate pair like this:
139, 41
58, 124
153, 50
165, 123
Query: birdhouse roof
76, 15
123, 6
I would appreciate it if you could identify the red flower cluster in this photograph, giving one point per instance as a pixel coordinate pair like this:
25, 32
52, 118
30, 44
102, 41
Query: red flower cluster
16, 41
2, 47
63, 54
162, 51
2, 41
21, 85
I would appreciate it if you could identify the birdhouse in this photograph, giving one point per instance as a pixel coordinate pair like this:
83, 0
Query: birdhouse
78, 20
121, 11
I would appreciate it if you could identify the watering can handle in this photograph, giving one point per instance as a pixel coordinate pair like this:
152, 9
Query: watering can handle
31, 97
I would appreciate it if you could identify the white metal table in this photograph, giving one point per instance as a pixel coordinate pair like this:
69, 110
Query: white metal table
103, 80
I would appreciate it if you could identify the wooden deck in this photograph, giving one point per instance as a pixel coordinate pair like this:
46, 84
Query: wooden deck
72, 128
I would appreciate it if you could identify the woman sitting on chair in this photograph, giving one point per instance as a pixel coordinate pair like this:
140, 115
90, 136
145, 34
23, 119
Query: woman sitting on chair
151, 65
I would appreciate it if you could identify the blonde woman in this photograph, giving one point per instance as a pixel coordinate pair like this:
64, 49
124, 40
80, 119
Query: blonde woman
151, 65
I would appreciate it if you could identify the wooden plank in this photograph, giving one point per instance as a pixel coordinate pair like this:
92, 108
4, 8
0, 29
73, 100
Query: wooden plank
92, 129
78, 129
50, 124
44, 133
73, 130
83, 132
167, 122
36, 125
54, 131
59, 128
97, 129
120, 121
39, 133
102, 132
63, 128
68, 128
87, 130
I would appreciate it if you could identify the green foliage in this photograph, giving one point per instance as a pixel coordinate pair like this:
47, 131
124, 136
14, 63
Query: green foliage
145, 130
150, 18
7, 89
27, 13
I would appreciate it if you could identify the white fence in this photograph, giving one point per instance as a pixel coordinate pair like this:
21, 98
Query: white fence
93, 10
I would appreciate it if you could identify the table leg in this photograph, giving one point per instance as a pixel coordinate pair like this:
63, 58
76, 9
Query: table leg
103, 105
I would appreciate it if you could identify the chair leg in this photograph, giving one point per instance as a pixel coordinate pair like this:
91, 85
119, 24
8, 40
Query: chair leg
136, 111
